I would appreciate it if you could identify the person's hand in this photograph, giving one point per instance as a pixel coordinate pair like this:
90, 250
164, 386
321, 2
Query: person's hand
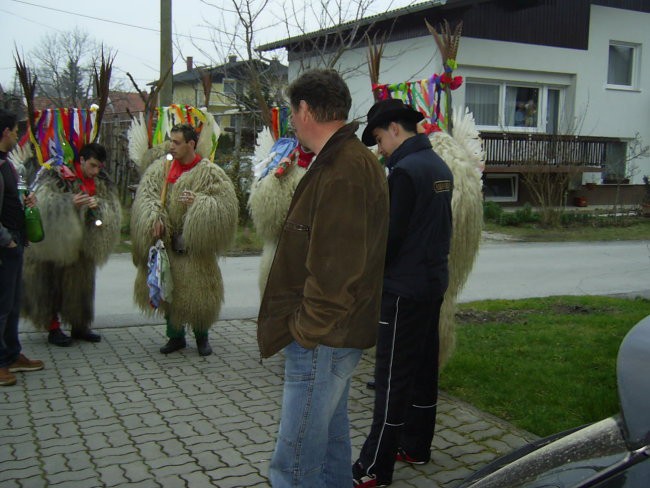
81, 199
158, 229
30, 200
187, 197
92, 203
12, 244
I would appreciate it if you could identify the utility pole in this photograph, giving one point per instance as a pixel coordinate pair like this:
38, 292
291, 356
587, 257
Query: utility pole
166, 60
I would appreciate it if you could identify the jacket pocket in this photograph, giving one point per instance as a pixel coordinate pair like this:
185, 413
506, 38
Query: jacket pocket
292, 227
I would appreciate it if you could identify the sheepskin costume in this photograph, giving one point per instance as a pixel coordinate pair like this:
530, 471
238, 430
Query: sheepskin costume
59, 272
208, 227
269, 202
270, 198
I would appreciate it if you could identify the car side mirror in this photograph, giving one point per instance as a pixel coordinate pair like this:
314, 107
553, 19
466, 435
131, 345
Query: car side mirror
634, 384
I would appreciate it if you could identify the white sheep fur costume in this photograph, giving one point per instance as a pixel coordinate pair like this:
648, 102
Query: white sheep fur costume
59, 272
208, 227
270, 198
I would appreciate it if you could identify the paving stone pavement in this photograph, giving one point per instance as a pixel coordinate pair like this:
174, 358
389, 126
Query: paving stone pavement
120, 414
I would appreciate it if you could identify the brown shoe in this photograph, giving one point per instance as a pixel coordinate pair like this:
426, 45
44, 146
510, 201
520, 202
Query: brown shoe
6, 377
24, 364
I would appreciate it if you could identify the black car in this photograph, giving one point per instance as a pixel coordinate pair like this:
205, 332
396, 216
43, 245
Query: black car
612, 453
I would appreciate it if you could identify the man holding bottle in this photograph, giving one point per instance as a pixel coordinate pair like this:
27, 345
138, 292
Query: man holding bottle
12, 242
81, 216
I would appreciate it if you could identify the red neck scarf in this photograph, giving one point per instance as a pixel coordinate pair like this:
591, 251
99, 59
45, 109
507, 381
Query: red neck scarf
178, 169
87, 184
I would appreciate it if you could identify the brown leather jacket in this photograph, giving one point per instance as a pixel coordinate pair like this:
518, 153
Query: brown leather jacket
325, 282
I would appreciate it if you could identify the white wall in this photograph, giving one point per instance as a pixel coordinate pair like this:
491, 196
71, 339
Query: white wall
591, 107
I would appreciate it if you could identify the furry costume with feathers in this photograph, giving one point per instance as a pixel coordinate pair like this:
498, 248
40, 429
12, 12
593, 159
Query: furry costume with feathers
269, 204
59, 272
208, 227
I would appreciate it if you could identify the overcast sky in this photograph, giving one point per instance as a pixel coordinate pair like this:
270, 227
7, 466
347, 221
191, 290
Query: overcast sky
131, 27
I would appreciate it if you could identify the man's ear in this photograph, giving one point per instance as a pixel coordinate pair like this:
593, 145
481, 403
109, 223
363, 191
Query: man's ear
305, 111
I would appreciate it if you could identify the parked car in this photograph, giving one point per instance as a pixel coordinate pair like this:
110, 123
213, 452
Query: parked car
611, 453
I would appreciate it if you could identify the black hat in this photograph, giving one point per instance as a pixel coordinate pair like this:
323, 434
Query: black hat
387, 111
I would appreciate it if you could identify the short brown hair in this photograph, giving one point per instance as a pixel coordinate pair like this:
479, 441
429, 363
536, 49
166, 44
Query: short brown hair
324, 91
189, 132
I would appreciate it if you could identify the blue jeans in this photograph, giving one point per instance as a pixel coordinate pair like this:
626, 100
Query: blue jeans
11, 268
313, 449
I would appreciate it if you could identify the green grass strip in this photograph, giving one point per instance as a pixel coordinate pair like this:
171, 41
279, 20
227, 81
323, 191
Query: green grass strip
543, 364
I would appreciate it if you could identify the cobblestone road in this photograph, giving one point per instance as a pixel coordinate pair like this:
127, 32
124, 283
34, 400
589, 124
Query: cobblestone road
120, 414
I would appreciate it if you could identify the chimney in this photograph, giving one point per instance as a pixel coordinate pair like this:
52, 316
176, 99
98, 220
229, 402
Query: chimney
232, 58
190, 63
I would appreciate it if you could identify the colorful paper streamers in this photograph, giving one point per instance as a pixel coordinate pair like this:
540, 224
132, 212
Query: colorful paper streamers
165, 118
425, 96
282, 148
60, 133
279, 122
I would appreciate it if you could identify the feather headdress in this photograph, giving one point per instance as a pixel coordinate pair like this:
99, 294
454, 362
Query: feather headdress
151, 136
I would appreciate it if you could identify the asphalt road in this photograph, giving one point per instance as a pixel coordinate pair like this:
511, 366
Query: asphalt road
502, 270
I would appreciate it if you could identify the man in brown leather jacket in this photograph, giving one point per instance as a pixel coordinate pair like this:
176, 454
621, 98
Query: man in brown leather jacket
322, 298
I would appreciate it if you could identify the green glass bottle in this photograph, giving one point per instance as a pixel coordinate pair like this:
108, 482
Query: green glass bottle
33, 224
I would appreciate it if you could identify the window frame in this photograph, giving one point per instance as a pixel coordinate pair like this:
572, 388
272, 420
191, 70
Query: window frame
634, 76
230, 88
542, 104
514, 177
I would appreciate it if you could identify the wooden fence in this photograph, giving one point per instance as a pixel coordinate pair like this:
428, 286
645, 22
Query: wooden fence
113, 135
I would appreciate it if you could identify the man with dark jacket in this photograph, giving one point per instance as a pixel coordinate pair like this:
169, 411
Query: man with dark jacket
12, 242
321, 301
415, 280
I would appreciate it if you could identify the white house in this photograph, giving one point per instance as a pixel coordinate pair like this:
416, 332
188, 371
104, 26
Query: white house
531, 68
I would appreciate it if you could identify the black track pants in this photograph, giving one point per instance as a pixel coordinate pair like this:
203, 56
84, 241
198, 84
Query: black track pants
406, 384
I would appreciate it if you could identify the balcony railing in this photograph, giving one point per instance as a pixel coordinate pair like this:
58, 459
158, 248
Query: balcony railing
507, 149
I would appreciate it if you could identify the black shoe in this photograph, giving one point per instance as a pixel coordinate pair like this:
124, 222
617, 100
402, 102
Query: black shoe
203, 346
362, 479
370, 385
86, 335
173, 344
58, 338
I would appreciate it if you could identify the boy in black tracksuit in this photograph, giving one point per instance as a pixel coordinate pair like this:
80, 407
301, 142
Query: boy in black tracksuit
415, 280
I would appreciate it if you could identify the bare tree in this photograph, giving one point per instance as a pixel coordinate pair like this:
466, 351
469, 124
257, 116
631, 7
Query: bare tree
242, 27
64, 63
340, 22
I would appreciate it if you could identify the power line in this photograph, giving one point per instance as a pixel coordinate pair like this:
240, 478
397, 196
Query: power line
109, 21
28, 20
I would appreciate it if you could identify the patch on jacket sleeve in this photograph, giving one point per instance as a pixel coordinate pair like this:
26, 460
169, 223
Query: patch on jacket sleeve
442, 185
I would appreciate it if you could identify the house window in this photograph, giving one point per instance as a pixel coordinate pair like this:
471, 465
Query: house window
552, 111
521, 106
510, 106
230, 88
483, 101
501, 187
615, 168
621, 68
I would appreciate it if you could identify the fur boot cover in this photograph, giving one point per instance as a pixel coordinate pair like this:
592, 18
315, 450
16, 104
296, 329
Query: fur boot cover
208, 227
59, 271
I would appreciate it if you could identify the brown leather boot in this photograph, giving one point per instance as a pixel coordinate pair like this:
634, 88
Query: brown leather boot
7, 378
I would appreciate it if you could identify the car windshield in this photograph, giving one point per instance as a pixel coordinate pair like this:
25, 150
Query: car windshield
566, 461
